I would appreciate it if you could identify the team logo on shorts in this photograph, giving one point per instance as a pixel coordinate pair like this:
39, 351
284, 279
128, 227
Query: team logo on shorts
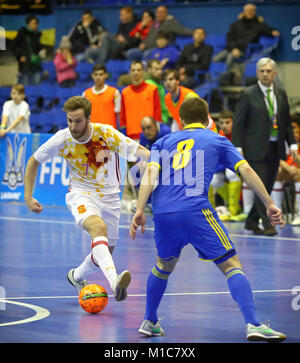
81, 209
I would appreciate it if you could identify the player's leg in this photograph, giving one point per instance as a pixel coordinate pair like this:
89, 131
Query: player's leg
101, 256
170, 236
156, 286
241, 292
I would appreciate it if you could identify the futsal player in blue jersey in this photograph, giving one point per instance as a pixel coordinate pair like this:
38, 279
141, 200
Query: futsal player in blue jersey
179, 173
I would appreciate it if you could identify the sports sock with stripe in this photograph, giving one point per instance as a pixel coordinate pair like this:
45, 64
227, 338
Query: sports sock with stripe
241, 292
86, 268
156, 286
103, 258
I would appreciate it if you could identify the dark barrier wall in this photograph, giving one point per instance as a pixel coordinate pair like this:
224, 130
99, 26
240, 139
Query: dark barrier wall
215, 18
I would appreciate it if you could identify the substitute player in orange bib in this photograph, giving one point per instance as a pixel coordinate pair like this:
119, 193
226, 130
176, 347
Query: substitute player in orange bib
92, 153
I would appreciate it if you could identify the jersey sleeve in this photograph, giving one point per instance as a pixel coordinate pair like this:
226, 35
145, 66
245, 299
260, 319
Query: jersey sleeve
231, 158
155, 155
49, 149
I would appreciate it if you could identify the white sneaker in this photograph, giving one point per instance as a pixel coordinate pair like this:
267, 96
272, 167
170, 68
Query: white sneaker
123, 280
296, 220
263, 333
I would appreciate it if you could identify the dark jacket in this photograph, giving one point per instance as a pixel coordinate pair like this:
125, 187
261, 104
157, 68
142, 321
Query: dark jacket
195, 58
81, 37
27, 43
125, 29
252, 125
245, 31
170, 26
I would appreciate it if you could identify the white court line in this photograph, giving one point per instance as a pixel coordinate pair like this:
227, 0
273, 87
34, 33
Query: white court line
144, 295
17, 219
40, 313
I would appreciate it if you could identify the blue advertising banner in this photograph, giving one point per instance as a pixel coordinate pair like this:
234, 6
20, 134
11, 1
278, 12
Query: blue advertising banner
52, 179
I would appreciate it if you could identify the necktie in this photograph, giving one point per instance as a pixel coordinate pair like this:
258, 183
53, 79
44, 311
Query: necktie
274, 128
270, 103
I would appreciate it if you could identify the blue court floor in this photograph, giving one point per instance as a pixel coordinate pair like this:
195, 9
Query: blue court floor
38, 304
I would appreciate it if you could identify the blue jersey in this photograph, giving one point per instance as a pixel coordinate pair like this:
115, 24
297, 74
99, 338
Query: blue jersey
162, 131
187, 160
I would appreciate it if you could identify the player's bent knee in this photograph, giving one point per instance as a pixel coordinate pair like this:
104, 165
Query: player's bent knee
95, 226
231, 263
167, 265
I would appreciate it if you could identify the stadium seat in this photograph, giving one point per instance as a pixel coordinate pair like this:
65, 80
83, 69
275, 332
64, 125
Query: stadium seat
182, 41
51, 71
249, 73
84, 70
217, 41
117, 67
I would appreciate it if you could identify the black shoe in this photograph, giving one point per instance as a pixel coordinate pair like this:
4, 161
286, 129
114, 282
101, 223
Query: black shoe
255, 229
270, 231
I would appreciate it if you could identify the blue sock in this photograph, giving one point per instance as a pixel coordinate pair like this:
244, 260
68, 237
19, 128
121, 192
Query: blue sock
241, 292
156, 286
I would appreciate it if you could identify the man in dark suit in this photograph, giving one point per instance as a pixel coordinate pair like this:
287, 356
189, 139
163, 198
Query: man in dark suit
261, 127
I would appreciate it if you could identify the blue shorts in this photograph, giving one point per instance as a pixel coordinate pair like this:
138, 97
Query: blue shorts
202, 229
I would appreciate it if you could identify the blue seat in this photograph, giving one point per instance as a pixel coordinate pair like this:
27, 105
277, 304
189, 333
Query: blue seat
50, 69
216, 41
249, 72
84, 70
182, 41
32, 93
59, 118
63, 94
117, 67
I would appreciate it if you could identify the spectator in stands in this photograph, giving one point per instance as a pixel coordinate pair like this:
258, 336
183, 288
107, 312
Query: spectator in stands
226, 182
16, 113
105, 99
85, 34
164, 51
142, 28
247, 29
194, 57
29, 51
65, 64
138, 100
125, 40
154, 76
163, 22
152, 131
110, 46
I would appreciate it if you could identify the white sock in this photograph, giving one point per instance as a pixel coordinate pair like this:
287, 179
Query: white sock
277, 194
86, 268
297, 191
103, 258
248, 198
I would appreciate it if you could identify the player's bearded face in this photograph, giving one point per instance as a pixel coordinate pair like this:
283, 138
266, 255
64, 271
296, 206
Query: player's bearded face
78, 124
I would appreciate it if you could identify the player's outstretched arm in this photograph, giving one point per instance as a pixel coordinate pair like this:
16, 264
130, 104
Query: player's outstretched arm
254, 182
142, 153
30, 176
146, 187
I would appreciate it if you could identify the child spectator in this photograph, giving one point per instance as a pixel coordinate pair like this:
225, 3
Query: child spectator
167, 53
15, 114
65, 64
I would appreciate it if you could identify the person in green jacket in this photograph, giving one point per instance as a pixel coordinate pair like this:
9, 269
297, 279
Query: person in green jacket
154, 76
